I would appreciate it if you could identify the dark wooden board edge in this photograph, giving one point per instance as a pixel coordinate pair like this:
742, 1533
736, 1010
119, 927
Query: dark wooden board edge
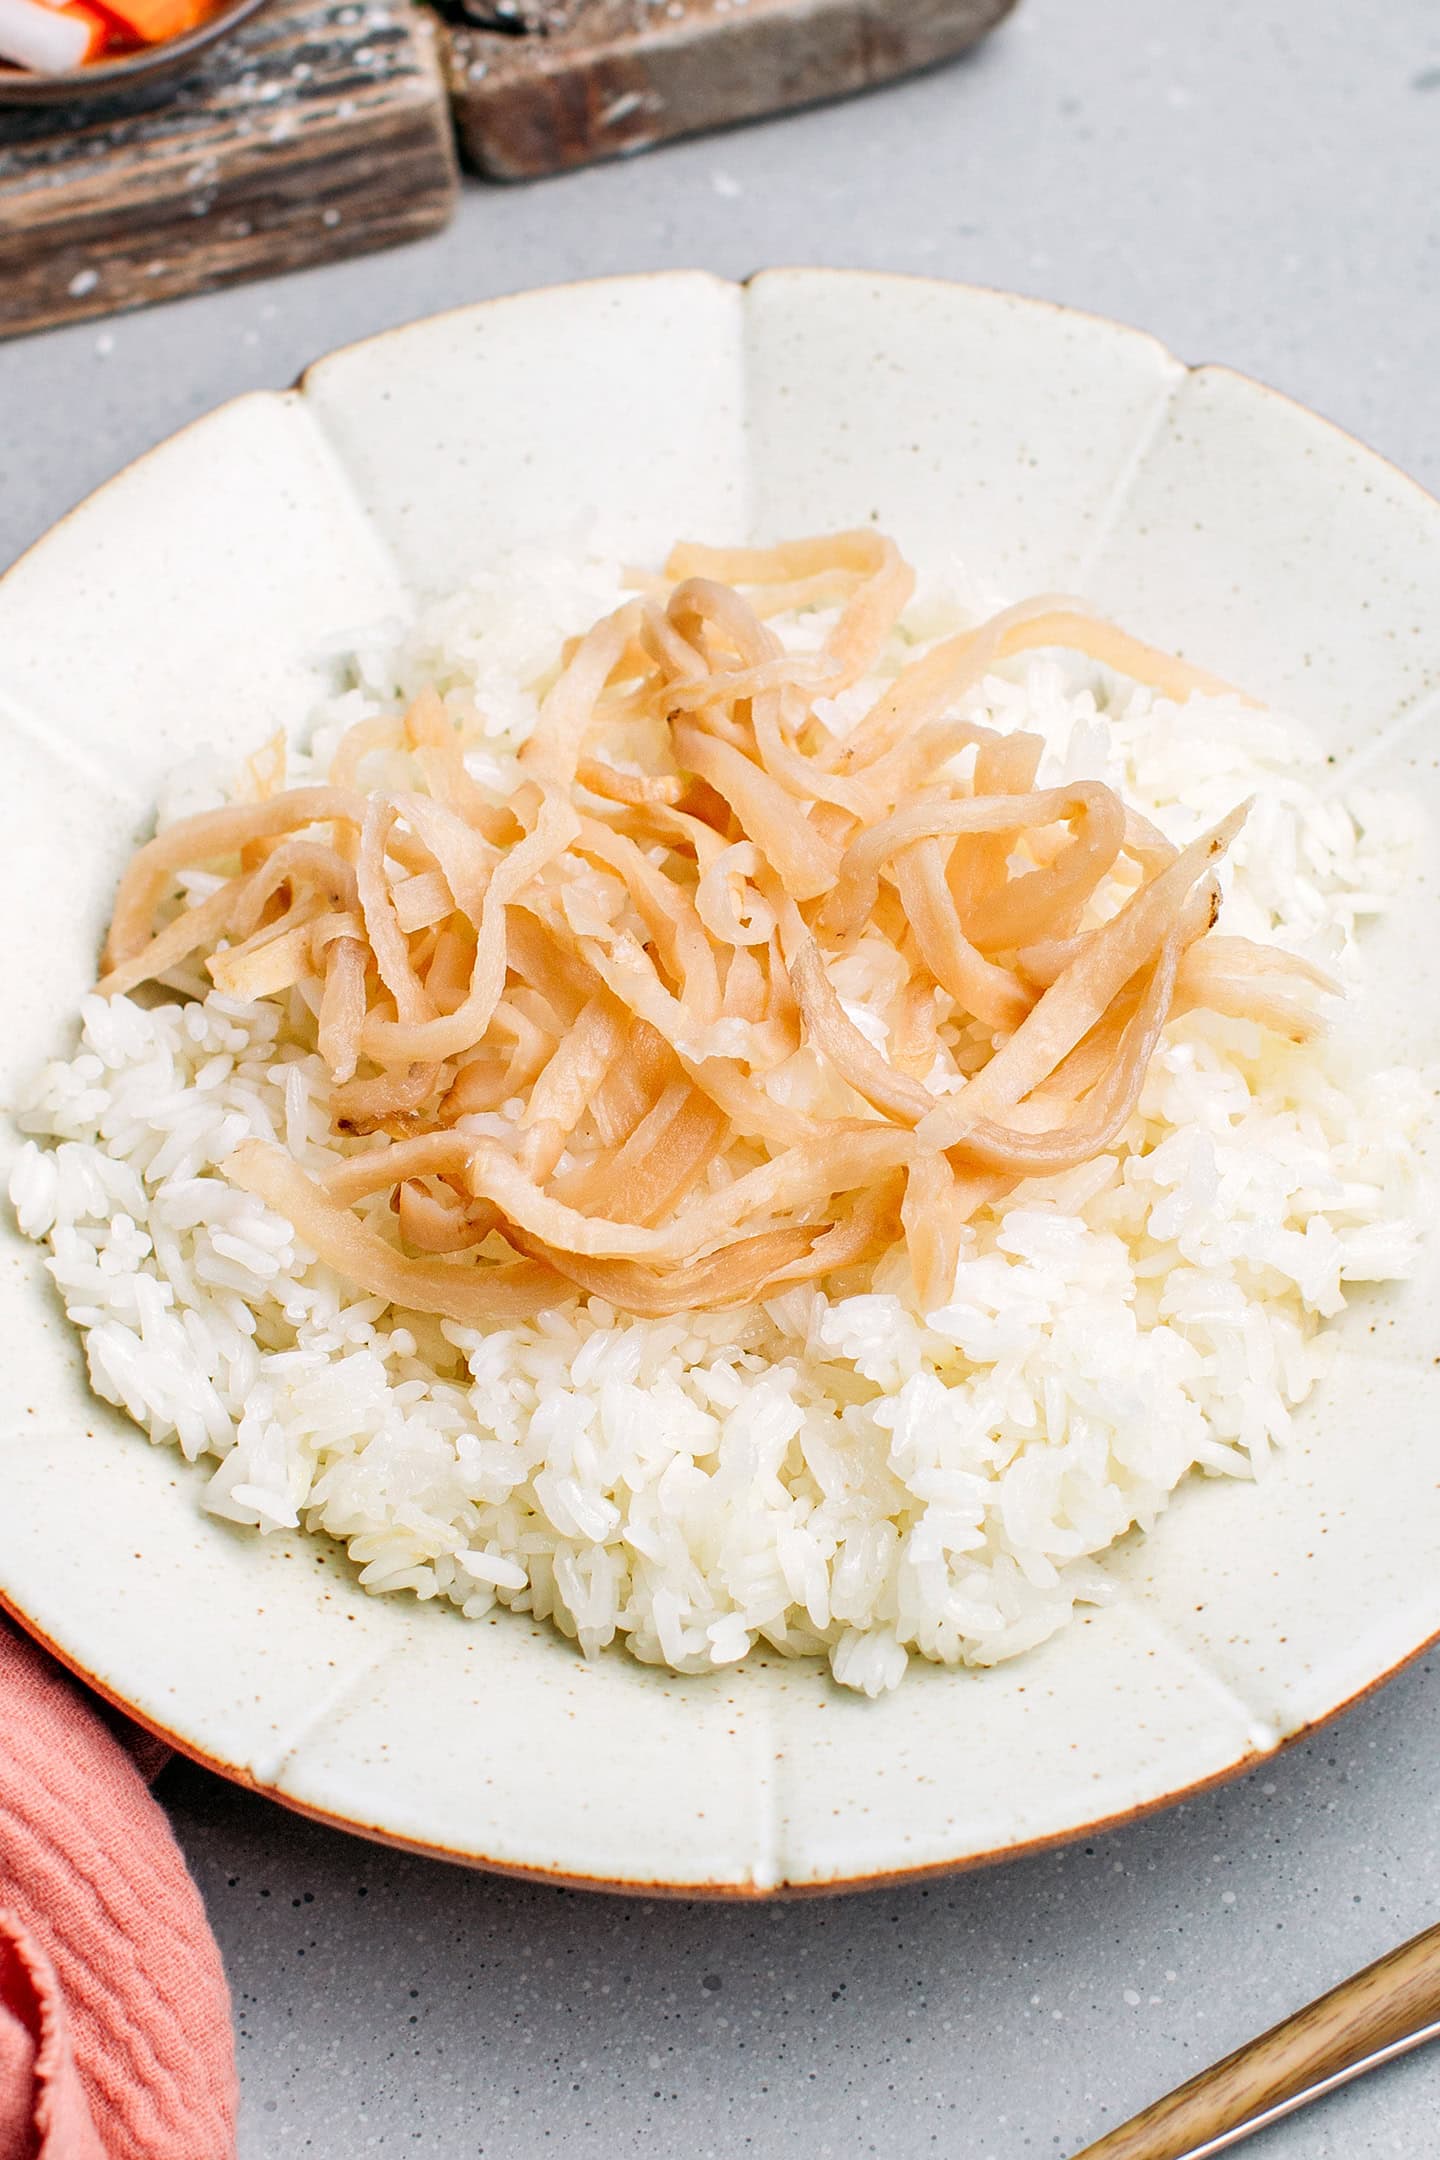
628, 74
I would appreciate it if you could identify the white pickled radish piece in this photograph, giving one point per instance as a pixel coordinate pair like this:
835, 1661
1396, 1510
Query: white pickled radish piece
49, 40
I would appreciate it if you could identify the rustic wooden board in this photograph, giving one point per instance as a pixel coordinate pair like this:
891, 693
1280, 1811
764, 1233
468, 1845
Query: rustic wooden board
319, 130
576, 80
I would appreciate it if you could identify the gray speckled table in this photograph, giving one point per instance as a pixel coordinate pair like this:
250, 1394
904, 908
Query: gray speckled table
1258, 182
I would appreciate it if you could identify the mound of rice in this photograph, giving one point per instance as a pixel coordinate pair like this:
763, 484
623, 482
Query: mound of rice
838, 1476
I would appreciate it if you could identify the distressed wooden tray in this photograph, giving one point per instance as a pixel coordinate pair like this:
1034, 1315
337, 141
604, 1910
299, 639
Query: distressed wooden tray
319, 130
584, 79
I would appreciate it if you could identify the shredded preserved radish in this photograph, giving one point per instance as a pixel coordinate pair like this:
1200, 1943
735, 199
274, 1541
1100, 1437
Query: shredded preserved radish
592, 1036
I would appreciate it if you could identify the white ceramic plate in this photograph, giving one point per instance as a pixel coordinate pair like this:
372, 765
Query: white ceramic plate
179, 605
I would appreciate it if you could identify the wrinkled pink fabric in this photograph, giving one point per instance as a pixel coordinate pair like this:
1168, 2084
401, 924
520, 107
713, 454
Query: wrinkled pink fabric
115, 2039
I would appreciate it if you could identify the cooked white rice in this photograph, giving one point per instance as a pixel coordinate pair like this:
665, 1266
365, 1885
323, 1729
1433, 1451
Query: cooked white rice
834, 1476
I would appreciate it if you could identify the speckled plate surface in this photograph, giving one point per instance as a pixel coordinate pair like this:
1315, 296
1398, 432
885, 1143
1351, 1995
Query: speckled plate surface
180, 605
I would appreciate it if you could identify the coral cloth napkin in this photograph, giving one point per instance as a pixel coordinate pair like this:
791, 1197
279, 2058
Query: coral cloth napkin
115, 2039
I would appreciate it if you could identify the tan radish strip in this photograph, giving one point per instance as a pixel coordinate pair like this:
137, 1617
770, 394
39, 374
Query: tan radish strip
563, 1090
634, 789
736, 1276
766, 814
660, 1163
867, 1231
633, 1084
929, 686
931, 1219
1018, 909
440, 755
1004, 765
359, 742
360, 1105
194, 927
448, 971
914, 1034
277, 956
830, 1030
730, 910
398, 1042
987, 1145
473, 1296
754, 1113
801, 1177
342, 1008
208, 838
667, 911
977, 985
799, 775
857, 886
387, 940
435, 1220
1070, 1008
861, 551
554, 750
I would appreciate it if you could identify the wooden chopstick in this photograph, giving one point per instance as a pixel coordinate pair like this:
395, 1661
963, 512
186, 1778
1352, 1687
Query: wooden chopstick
1389, 2001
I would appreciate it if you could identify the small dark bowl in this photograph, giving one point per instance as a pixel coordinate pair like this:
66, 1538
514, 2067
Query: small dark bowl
114, 78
